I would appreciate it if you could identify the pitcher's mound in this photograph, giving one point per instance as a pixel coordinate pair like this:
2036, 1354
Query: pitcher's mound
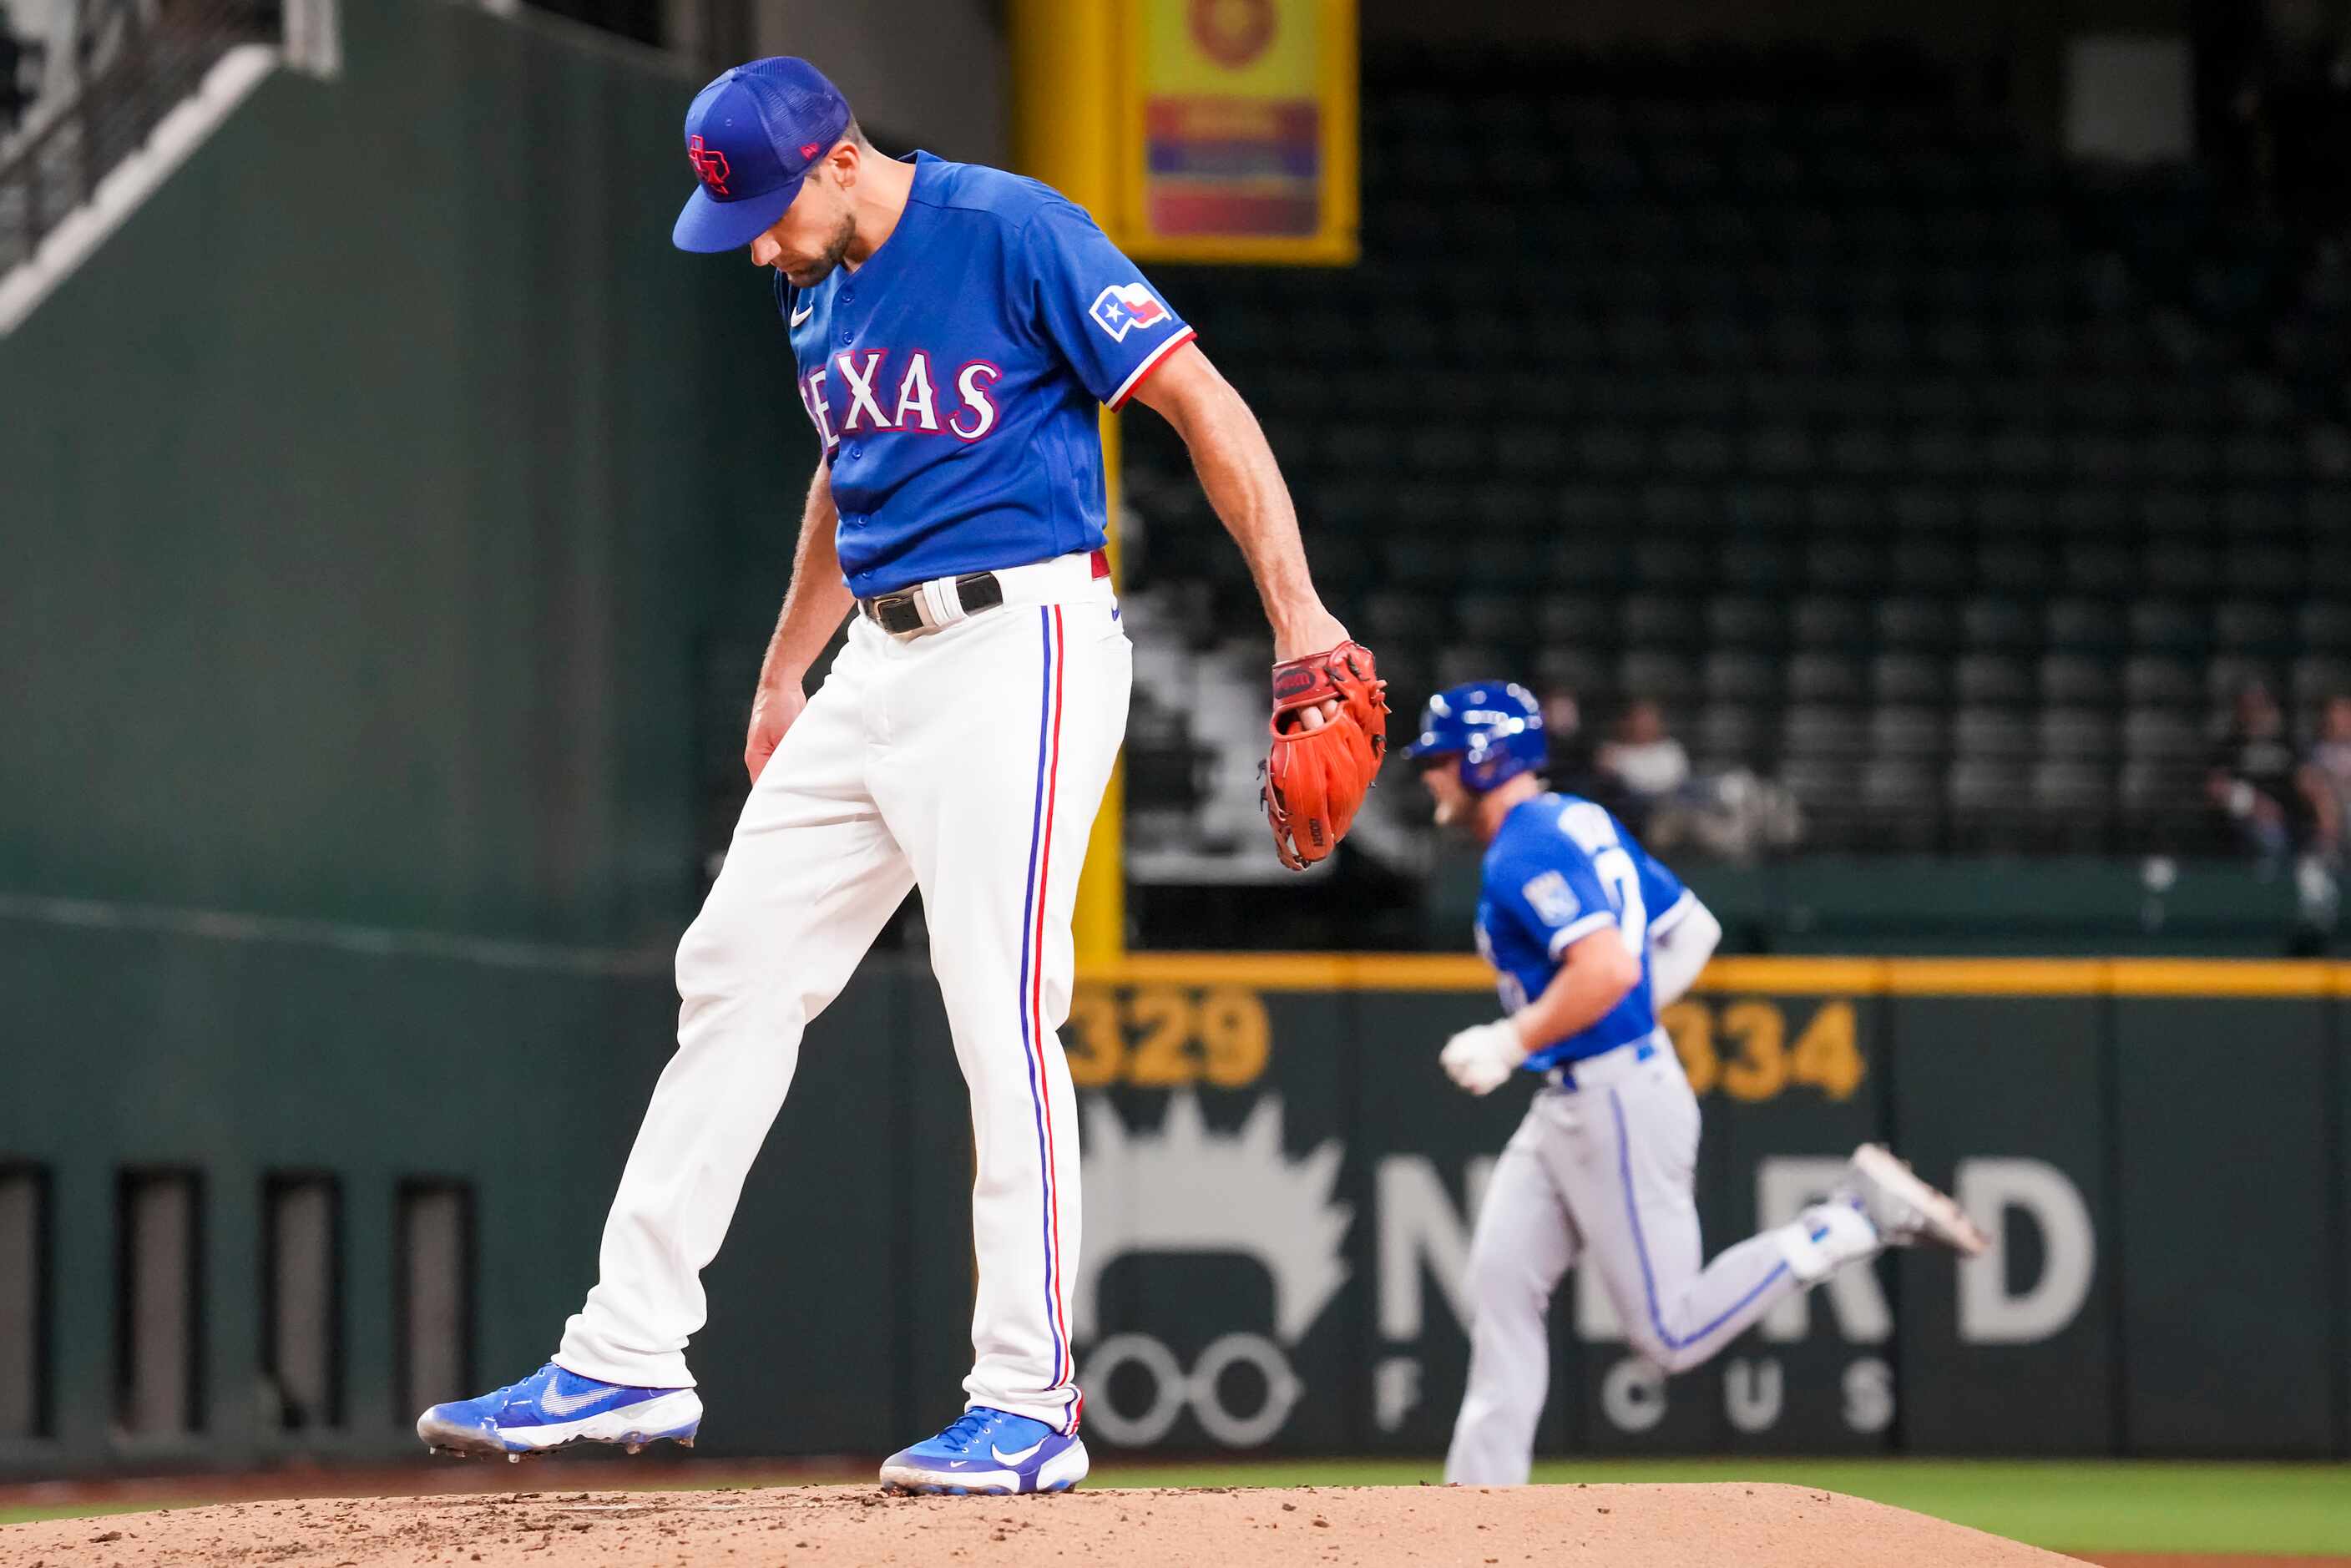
1757, 1526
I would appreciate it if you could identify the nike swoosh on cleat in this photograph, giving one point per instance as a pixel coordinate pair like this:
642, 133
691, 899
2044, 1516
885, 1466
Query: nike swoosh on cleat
802, 314
556, 1403
1004, 1459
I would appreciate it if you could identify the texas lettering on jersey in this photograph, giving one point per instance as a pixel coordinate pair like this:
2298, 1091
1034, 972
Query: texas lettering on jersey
955, 377
871, 403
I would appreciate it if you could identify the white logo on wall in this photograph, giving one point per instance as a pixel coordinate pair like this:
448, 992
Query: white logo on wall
1424, 1237
1185, 1188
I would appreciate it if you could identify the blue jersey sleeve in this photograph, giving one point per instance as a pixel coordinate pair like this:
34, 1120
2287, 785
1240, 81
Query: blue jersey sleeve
1556, 898
1663, 892
1093, 305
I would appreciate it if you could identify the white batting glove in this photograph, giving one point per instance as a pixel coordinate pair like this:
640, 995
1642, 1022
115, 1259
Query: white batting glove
1481, 1058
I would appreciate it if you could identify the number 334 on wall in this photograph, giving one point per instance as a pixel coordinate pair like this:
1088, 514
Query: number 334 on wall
1741, 1048
1166, 1036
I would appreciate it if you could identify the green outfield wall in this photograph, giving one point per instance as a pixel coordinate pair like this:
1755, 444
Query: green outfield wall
368, 494
1279, 1188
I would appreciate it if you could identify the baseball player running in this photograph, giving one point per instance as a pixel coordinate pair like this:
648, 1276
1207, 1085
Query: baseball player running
955, 328
1589, 936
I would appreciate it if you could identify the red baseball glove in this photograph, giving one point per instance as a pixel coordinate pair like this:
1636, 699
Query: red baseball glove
1315, 779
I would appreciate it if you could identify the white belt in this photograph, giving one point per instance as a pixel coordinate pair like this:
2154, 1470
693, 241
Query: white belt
1059, 580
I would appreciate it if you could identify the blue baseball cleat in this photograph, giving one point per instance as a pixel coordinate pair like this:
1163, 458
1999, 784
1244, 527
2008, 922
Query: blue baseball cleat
990, 1453
552, 1408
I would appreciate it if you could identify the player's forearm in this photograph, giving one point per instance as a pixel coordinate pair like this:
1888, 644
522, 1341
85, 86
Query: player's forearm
817, 598
1598, 974
1244, 484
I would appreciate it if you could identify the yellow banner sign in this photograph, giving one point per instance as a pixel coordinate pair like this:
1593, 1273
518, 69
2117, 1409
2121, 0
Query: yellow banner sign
1242, 131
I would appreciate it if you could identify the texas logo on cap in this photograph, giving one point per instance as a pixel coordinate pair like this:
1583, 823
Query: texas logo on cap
751, 137
709, 165
1123, 307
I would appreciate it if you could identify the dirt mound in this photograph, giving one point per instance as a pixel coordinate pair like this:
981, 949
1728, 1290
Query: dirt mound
1755, 1526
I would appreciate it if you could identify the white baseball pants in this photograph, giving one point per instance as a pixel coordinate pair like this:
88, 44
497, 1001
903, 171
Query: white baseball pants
1604, 1173
967, 761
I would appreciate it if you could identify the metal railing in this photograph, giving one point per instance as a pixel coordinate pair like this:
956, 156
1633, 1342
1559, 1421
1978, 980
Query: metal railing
140, 61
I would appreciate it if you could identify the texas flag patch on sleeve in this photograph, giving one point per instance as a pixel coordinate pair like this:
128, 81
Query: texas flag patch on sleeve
1123, 307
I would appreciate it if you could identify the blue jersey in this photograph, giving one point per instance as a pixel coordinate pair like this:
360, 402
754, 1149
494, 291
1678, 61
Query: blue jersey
953, 378
1561, 868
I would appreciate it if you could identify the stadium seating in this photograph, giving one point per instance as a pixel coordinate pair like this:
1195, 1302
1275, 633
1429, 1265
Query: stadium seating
1954, 487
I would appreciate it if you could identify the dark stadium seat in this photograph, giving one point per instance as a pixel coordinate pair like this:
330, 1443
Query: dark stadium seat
2226, 674
1813, 730
1733, 735
1584, 672
1732, 675
2077, 678
1988, 622
1739, 621
2160, 678
2083, 625
2325, 625
1919, 623
1929, 563
1653, 619
2095, 565
2263, 569
2171, 627
1670, 678
1490, 616
1751, 565
1575, 619
1991, 678
1986, 800
1821, 621
1909, 678
2316, 677
1460, 663
2176, 566
1845, 563
2252, 626
2073, 802
2079, 733
1902, 802
1908, 733
1819, 677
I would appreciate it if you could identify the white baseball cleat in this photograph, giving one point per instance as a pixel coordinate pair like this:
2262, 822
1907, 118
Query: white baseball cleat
1904, 1209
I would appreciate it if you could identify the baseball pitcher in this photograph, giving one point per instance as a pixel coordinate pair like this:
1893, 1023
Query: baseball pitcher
1589, 936
956, 328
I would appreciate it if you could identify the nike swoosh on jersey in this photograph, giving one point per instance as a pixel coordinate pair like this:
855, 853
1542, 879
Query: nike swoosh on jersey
1004, 1459
556, 1403
802, 314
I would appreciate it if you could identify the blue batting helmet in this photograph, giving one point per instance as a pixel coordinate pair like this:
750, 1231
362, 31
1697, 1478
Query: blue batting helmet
1494, 727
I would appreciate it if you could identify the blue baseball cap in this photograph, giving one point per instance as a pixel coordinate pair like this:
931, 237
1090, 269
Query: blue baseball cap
752, 136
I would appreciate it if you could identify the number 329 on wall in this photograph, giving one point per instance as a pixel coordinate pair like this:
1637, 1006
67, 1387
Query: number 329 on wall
1741, 1048
1166, 1036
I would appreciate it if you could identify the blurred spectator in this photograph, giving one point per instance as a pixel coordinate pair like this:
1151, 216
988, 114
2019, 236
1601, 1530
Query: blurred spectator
2257, 783
1644, 775
1642, 763
17, 55
2327, 777
1570, 763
